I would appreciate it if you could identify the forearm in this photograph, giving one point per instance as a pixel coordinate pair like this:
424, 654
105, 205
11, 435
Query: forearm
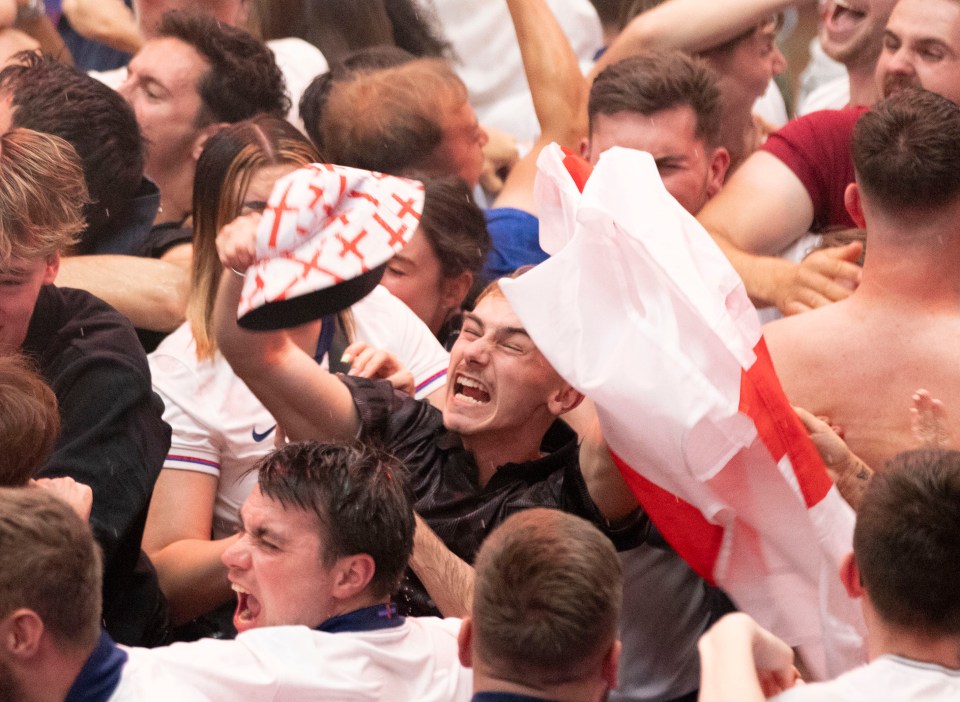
448, 579
305, 399
150, 293
689, 25
108, 22
557, 86
41, 28
192, 576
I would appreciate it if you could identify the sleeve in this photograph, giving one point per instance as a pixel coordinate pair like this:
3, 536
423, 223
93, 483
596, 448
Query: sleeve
816, 148
194, 443
114, 440
385, 322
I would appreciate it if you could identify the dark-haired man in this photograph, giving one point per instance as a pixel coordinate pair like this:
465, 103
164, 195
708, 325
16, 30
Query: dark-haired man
860, 360
668, 104
326, 538
904, 542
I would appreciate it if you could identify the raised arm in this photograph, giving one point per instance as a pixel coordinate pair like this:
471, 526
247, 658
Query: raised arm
742, 662
558, 89
689, 25
305, 399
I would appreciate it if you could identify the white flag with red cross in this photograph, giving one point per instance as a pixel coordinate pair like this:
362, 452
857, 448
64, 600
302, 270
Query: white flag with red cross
638, 309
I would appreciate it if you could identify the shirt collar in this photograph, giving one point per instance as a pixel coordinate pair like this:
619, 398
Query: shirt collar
381, 616
101, 674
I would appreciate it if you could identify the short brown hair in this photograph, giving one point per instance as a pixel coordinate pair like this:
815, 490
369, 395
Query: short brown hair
390, 120
29, 420
660, 80
906, 151
547, 597
42, 195
49, 563
907, 535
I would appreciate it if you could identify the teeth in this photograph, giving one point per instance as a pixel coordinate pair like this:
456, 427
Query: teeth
237, 588
467, 398
468, 382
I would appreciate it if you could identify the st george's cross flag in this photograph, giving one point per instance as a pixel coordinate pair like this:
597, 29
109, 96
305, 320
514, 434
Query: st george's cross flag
638, 309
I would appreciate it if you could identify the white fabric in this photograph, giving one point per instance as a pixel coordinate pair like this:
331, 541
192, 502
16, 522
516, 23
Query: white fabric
488, 56
831, 95
214, 416
148, 681
298, 60
665, 611
641, 305
416, 662
771, 107
820, 70
888, 678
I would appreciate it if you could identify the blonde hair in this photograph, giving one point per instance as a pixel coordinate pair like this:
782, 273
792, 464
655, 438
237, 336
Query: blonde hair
42, 195
229, 161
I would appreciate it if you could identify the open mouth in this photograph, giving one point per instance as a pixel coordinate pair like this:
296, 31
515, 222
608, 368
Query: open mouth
842, 17
470, 390
247, 608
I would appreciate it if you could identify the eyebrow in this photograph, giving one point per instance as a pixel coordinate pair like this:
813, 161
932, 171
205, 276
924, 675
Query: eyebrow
501, 332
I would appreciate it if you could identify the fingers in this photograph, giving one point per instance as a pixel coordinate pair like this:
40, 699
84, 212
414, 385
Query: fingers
928, 421
237, 242
403, 381
823, 277
78, 495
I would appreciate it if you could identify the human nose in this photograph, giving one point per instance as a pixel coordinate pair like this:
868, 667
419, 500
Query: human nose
898, 62
477, 351
779, 64
482, 137
236, 555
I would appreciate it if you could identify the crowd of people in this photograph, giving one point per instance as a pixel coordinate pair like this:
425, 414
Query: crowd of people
271, 428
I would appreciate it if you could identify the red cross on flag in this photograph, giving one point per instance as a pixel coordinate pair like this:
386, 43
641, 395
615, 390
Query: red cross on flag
639, 310
323, 240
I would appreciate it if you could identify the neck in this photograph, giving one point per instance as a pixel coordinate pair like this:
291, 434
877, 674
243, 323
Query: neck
738, 131
176, 195
913, 264
915, 646
863, 86
592, 690
490, 451
51, 678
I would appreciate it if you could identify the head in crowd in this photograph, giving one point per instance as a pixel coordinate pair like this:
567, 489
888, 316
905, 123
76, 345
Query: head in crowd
340, 27
905, 545
668, 104
921, 48
187, 82
37, 92
50, 576
235, 175
29, 420
546, 607
150, 12
413, 117
854, 35
314, 98
328, 530
906, 157
434, 273
745, 63
501, 390
42, 195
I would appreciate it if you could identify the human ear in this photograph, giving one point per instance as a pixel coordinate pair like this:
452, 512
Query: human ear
854, 205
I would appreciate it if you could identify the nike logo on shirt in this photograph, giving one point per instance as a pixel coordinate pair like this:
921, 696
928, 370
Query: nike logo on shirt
258, 437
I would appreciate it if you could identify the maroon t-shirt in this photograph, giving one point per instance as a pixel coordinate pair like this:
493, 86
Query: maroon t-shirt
816, 147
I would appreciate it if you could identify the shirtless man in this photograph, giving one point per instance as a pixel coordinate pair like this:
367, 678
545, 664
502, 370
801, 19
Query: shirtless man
795, 182
859, 361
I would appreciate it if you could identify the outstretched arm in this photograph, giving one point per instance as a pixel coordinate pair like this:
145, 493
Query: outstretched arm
151, 293
742, 662
558, 89
447, 578
305, 399
762, 209
689, 25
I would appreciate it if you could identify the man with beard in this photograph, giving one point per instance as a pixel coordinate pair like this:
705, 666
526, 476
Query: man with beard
796, 182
